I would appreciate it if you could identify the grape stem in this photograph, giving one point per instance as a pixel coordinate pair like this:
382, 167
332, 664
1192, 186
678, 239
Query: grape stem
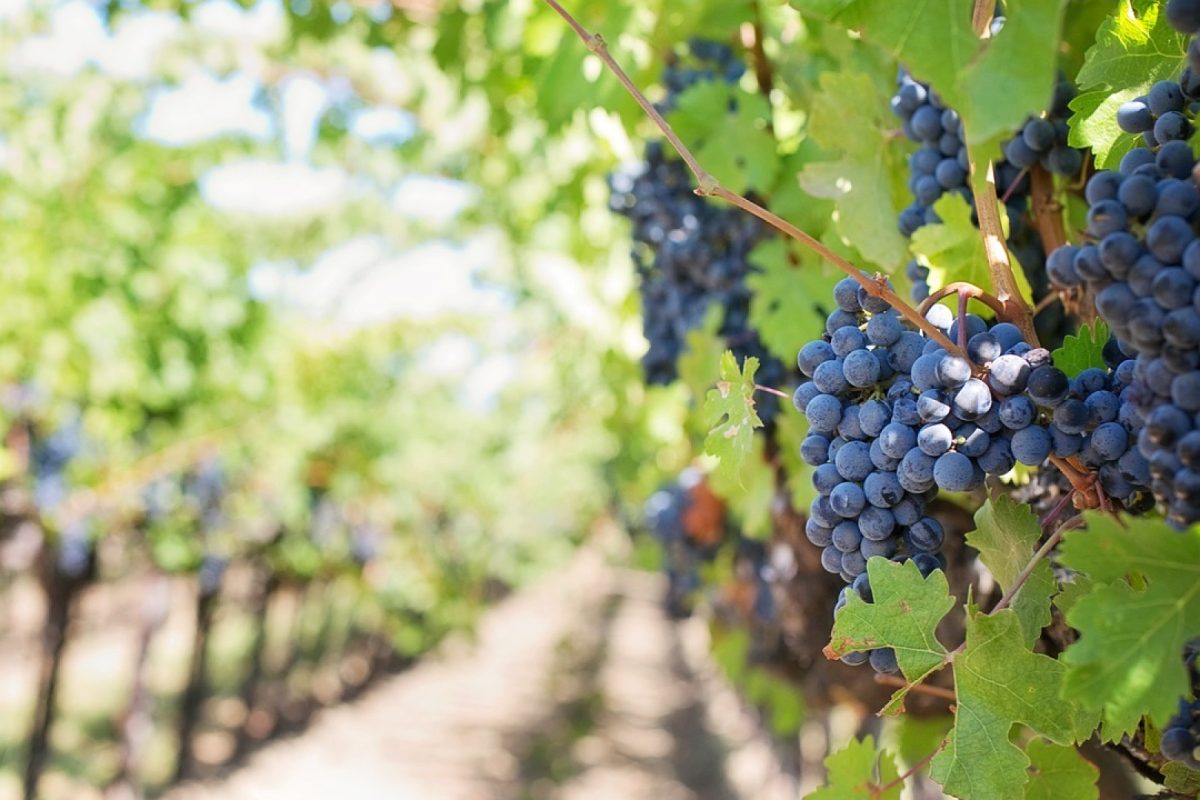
762, 65
1015, 308
1079, 481
962, 288
981, 17
1023, 576
919, 688
876, 286
879, 791
1047, 211
983, 187
760, 388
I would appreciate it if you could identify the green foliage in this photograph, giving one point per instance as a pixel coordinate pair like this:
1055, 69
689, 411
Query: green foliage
748, 490
999, 682
856, 772
1135, 47
1006, 535
1058, 771
783, 308
904, 616
1143, 607
860, 182
994, 84
730, 417
953, 251
737, 149
1083, 350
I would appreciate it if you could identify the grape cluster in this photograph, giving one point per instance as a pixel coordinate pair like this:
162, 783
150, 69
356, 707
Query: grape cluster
941, 165
1181, 736
689, 253
894, 418
49, 458
1141, 264
664, 514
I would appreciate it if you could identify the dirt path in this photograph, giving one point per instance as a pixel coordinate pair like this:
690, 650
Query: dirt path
577, 688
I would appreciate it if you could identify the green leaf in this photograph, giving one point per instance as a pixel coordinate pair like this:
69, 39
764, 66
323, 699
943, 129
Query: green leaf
1127, 660
1016, 75
737, 148
953, 250
730, 416
749, 491
860, 182
1058, 771
786, 290
1083, 350
904, 616
1078, 586
1177, 777
701, 358
917, 736
790, 429
1000, 682
855, 771
1006, 535
1135, 47
994, 84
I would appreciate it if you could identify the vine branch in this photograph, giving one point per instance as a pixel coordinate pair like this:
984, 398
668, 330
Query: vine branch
760, 388
959, 287
708, 186
987, 207
1023, 576
919, 688
983, 187
878, 791
981, 17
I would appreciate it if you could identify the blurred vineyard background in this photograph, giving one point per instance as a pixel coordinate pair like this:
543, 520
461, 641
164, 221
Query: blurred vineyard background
312, 345
323, 368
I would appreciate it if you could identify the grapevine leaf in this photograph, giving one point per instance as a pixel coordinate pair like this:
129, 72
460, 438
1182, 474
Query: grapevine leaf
917, 736
1083, 350
1135, 47
904, 615
1016, 74
1058, 771
1127, 660
1078, 586
790, 430
783, 303
1177, 777
730, 416
1006, 535
859, 183
1000, 682
953, 250
748, 492
852, 774
994, 84
701, 358
736, 148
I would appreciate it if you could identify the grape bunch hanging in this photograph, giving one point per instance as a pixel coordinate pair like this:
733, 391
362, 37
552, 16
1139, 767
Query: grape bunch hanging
894, 418
1140, 264
690, 254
